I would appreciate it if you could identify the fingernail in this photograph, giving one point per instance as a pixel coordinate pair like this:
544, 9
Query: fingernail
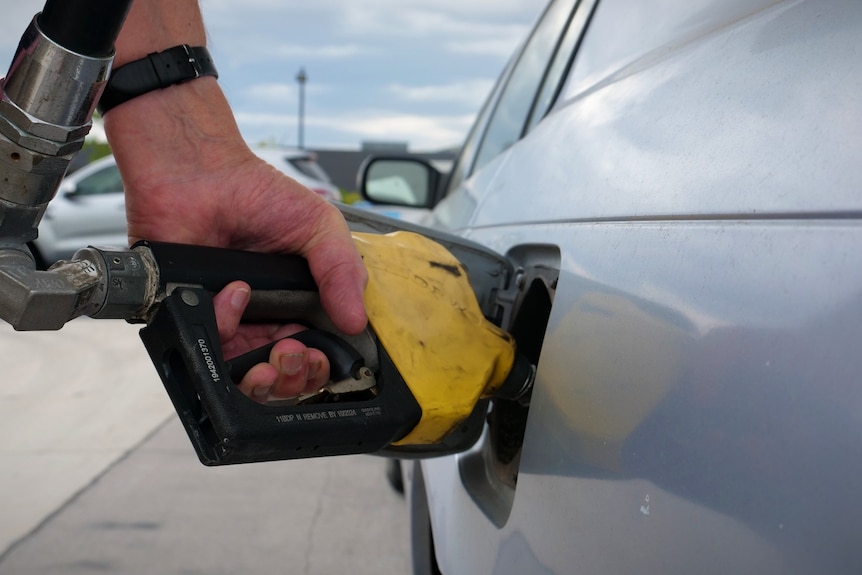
291, 363
239, 298
313, 370
261, 391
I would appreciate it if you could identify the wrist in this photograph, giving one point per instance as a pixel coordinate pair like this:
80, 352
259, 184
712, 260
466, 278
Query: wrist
156, 71
184, 127
181, 124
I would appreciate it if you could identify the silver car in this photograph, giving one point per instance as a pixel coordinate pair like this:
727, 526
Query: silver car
90, 206
677, 189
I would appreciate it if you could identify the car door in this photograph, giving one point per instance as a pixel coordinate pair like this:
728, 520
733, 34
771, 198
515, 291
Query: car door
695, 405
479, 487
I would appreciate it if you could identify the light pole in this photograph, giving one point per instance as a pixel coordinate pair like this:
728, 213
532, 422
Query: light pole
301, 78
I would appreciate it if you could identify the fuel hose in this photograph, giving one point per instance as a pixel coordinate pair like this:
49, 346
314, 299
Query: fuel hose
87, 27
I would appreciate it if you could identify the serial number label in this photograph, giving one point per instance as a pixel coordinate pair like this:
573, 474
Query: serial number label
203, 346
330, 414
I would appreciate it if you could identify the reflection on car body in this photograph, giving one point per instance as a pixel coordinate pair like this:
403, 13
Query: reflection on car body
690, 173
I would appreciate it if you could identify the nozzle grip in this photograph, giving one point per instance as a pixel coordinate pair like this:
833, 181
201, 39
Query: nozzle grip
226, 427
213, 268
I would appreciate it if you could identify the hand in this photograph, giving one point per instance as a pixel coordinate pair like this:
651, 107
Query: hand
260, 220
250, 205
292, 370
190, 178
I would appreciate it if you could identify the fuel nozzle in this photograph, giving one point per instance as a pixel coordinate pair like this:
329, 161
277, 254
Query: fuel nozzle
518, 384
416, 383
424, 311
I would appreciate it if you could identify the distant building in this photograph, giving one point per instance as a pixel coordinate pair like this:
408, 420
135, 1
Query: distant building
384, 147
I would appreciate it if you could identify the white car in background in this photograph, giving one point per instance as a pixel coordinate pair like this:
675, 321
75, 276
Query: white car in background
90, 207
302, 166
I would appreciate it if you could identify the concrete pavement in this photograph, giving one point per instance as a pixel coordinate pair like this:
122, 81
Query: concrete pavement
71, 403
97, 476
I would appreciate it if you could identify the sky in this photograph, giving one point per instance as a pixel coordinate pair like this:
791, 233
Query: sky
413, 71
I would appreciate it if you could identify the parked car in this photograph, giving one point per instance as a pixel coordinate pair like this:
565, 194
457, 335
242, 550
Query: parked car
302, 166
677, 189
90, 205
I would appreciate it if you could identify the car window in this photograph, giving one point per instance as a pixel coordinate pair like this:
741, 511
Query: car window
509, 117
566, 51
309, 167
460, 170
104, 181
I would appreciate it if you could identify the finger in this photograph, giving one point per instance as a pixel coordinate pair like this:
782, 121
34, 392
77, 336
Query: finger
300, 370
321, 235
341, 295
318, 370
292, 370
229, 305
340, 274
258, 382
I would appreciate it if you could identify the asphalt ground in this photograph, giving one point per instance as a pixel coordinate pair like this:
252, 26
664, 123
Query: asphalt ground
97, 476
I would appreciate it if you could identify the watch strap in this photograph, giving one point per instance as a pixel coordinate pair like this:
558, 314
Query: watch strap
155, 71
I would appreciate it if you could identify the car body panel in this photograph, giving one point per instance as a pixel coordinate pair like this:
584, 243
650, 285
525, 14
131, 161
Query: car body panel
697, 405
404, 213
720, 126
684, 417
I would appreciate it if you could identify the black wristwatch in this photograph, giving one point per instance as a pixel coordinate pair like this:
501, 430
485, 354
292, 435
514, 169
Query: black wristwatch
157, 70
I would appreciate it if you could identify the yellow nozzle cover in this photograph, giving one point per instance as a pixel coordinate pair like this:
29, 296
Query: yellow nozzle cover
423, 309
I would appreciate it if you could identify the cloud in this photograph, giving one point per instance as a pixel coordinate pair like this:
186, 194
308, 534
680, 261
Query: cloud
308, 52
369, 12
16, 17
490, 27
303, 52
278, 93
422, 131
271, 92
501, 47
471, 93
434, 21
429, 60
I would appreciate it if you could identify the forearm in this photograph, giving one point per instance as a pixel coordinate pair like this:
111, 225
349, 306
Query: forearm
154, 25
195, 116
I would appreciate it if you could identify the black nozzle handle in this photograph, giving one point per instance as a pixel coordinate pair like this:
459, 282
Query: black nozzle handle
213, 268
225, 427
